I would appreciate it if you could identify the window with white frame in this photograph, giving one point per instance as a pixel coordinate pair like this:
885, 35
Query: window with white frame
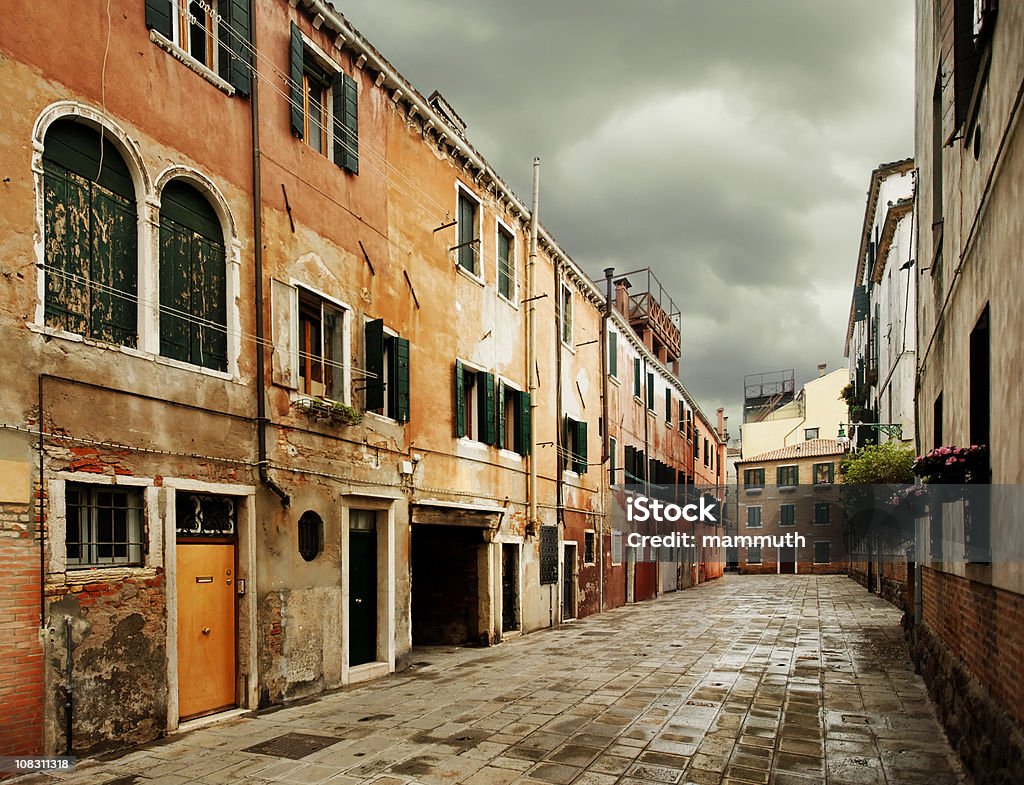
506, 263
616, 546
213, 33
104, 525
565, 315
321, 347
467, 245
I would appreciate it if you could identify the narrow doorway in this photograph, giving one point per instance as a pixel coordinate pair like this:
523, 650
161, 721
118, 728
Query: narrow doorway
362, 588
509, 588
569, 581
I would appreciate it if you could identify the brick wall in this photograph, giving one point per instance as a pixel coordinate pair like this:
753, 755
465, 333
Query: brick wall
983, 627
21, 653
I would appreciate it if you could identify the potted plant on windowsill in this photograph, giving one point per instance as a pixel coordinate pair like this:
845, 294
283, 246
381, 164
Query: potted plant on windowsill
335, 412
952, 465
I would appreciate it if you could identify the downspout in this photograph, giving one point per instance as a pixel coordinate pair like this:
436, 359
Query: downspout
257, 230
42, 514
560, 434
606, 438
647, 462
531, 339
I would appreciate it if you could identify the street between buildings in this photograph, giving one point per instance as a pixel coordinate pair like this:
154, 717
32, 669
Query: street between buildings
778, 680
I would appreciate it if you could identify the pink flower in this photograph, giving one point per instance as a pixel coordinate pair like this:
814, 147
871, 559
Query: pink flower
950, 461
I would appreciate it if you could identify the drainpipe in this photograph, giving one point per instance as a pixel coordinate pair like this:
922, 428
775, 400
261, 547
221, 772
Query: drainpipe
559, 431
42, 514
531, 339
606, 440
257, 229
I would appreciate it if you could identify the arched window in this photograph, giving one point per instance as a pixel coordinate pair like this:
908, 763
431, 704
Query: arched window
91, 235
193, 290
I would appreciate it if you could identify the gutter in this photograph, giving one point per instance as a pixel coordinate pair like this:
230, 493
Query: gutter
257, 230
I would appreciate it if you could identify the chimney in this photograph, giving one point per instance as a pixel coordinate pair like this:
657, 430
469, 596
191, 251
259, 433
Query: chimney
821, 369
721, 421
622, 297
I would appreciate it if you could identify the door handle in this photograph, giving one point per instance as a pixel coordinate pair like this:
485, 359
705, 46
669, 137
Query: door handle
206, 630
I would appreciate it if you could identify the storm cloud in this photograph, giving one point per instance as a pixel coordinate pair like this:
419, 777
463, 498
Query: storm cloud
727, 144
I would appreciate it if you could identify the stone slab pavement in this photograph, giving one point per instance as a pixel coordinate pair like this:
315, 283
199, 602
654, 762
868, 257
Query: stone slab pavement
774, 680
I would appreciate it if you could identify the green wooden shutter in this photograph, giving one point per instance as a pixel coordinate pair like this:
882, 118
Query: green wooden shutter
501, 413
613, 354
210, 271
523, 437
346, 122
233, 61
66, 217
668, 406
460, 400
158, 16
636, 376
579, 463
175, 290
114, 268
487, 410
650, 390
400, 379
375, 364
295, 61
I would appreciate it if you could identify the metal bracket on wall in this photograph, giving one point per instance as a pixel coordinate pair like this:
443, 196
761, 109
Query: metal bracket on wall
366, 256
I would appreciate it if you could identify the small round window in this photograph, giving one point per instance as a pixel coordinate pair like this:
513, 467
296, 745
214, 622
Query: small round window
311, 535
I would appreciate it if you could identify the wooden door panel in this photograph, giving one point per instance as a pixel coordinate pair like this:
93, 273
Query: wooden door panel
206, 628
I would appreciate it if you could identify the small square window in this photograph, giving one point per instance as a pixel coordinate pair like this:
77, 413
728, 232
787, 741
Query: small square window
788, 476
823, 552
104, 525
810, 433
787, 515
824, 473
753, 479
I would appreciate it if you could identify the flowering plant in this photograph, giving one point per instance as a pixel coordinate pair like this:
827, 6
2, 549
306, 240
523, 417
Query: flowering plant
912, 500
954, 465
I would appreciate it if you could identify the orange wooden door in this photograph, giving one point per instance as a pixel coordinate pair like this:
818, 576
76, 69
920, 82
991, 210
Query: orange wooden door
206, 628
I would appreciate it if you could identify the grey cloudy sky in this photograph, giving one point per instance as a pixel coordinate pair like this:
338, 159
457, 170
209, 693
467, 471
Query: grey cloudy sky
727, 144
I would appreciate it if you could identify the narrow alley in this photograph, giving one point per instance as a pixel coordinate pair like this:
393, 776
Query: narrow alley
784, 680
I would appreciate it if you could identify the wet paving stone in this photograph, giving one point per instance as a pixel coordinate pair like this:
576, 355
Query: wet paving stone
752, 680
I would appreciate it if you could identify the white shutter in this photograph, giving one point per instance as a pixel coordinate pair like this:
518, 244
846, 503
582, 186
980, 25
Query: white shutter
284, 321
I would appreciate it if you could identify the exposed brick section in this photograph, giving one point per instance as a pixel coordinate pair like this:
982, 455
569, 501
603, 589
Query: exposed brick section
891, 583
971, 665
21, 652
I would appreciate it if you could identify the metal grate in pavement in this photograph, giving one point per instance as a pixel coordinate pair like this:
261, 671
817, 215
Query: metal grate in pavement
293, 746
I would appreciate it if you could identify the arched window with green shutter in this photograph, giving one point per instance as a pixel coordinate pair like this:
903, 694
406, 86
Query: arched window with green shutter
193, 288
90, 236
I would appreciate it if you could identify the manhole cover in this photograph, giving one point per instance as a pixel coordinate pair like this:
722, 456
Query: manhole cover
293, 746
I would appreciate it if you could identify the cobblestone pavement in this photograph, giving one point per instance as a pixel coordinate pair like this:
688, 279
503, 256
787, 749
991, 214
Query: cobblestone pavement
786, 680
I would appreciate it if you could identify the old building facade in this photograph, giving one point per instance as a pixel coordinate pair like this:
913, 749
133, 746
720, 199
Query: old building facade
792, 491
970, 152
301, 384
881, 335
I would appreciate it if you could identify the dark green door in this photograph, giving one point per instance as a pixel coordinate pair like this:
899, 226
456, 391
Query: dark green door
362, 596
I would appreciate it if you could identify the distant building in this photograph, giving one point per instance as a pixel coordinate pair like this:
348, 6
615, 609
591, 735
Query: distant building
775, 416
792, 491
881, 337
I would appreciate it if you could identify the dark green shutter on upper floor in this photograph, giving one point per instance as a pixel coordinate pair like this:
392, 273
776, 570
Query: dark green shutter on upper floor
399, 373
650, 390
668, 406
460, 400
523, 436
579, 458
193, 279
488, 431
345, 96
158, 17
613, 354
636, 376
233, 60
374, 394
295, 94
91, 236
502, 392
